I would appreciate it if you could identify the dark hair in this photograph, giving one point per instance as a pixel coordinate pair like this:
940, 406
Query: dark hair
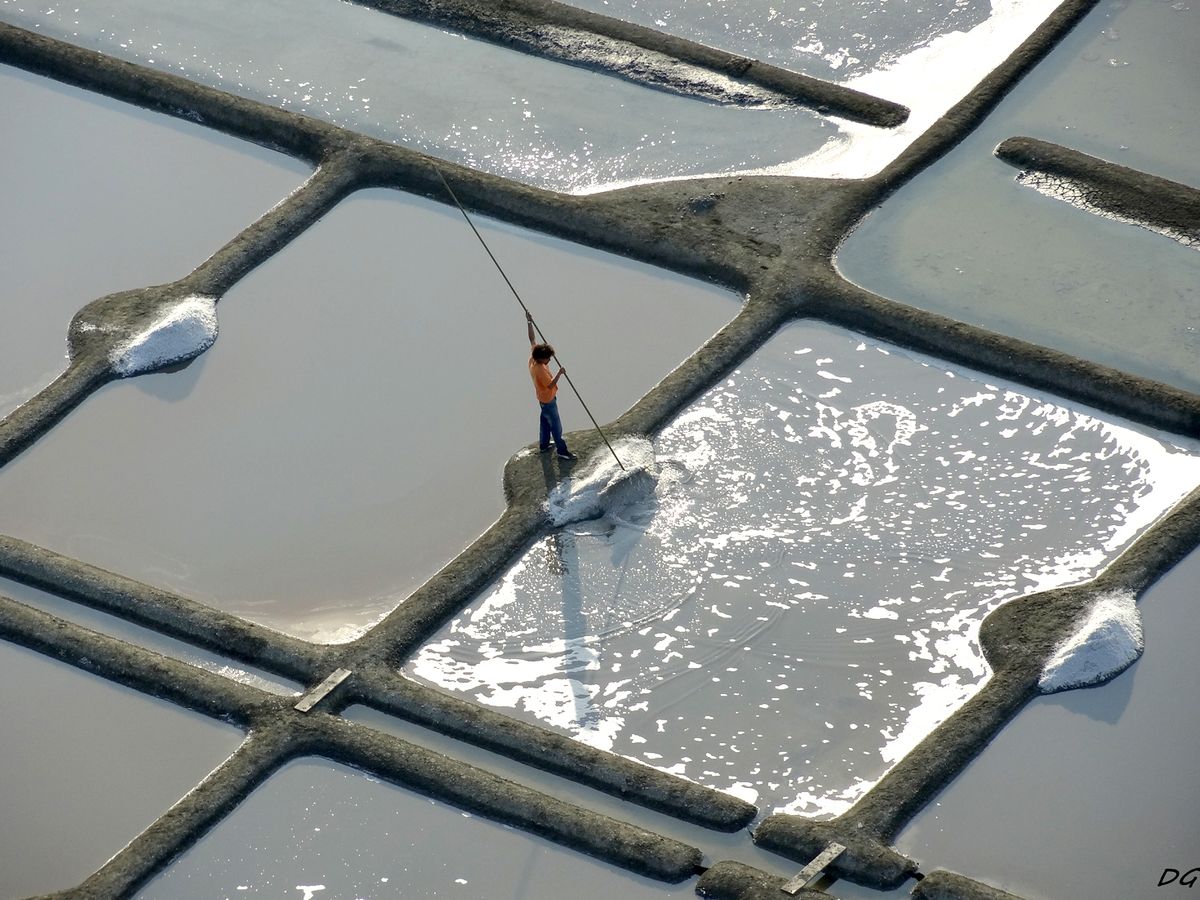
542, 352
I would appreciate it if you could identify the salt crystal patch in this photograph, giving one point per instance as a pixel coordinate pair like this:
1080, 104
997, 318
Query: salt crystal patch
602, 487
1103, 647
186, 331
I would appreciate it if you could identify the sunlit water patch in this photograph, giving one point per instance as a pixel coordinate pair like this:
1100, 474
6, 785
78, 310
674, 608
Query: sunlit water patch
468, 101
1086, 772
113, 626
828, 39
545, 123
345, 436
797, 612
320, 830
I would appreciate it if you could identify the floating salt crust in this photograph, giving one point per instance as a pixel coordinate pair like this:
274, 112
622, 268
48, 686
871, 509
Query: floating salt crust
88, 765
799, 605
101, 196
318, 829
345, 437
1077, 774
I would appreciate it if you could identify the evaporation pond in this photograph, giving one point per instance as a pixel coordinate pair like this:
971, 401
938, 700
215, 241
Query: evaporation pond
318, 829
100, 196
966, 240
1081, 778
478, 104
88, 765
826, 39
800, 603
346, 435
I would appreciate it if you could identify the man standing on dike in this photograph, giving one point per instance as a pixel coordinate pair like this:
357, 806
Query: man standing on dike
546, 386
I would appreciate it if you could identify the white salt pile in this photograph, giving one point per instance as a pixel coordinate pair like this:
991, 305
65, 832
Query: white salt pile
601, 487
186, 331
1103, 647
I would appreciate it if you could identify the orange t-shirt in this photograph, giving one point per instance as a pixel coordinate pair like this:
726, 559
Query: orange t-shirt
542, 380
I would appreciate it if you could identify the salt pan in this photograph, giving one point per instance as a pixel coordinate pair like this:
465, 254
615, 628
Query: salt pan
184, 332
1103, 647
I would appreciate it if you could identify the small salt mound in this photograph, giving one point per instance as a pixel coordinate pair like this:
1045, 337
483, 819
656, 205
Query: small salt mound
601, 487
1103, 647
187, 330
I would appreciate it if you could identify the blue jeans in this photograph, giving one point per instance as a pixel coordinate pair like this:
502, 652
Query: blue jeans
551, 427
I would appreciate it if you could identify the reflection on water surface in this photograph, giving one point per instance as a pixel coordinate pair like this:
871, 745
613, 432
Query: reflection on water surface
545, 123
798, 611
320, 830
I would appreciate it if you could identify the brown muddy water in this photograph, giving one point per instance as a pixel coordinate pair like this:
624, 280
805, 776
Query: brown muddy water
966, 240
100, 196
1091, 793
346, 435
87, 766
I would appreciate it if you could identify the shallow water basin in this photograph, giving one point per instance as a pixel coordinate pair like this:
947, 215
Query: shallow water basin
822, 38
101, 196
550, 124
799, 604
318, 829
964, 239
345, 436
88, 765
119, 628
1080, 776
541, 122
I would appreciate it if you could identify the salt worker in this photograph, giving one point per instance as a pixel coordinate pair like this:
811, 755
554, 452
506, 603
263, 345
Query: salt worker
546, 387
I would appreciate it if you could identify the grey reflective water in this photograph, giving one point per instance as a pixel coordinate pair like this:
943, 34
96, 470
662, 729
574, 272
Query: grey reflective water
966, 240
464, 100
1078, 195
800, 607
100, 196
87, 766
1091, 793
713, 844
317, 829
346, 435
828, 39
541, 122
1121, 86
144, 637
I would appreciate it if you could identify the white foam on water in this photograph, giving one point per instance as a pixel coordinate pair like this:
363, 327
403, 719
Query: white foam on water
1104, 646
805, 608
603, 486
184, 332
